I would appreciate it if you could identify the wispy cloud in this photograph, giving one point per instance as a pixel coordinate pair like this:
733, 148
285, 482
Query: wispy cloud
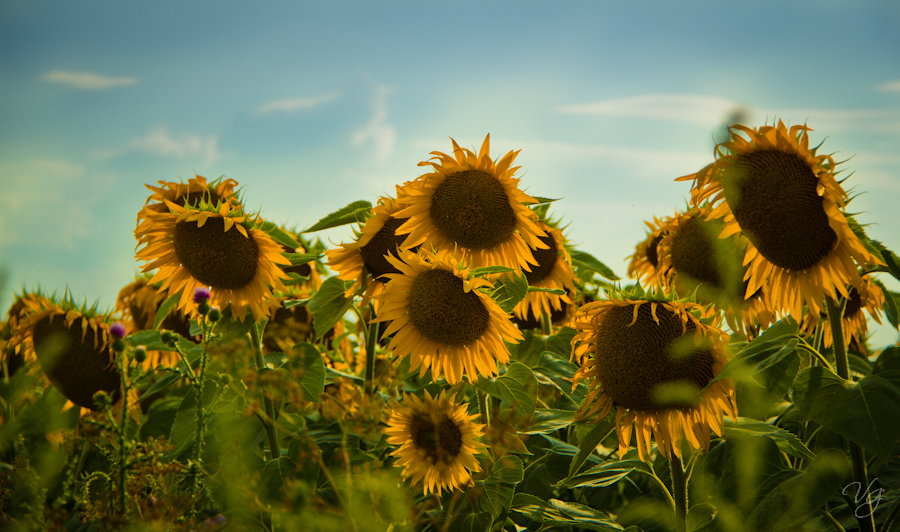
825, 120
160, 142
295, 104
377, 132
88, 80
889, 86
701, 110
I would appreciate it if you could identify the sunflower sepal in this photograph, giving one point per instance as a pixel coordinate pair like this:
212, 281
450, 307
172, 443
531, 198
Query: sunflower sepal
488, 271
357, 212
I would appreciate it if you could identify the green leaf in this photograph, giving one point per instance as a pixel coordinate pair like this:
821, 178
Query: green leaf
295, 303
184, 427
891, 260
474, 522
771, 360
161, 385
529, 350
160, 417
589, 444
541, 200
279, 235
272, 481
554, 291
700, 516
308, 358
151, 341
328, 305
518, 389
785, 440
230, 329
865, 412
488, 270
546, 420
507, 469
891, 305
887, 365
499, 486
588, 261
509, 290
357, 211
557, 513
165, 308
606, 474
301, 258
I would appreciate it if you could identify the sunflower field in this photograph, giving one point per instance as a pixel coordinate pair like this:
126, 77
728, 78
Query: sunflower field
459, 365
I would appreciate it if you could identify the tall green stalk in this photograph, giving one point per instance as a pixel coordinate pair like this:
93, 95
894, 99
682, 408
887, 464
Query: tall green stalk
371, 344
679, 492
857, 460
268, 407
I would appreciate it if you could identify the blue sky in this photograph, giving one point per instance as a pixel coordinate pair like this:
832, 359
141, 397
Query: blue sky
312, 105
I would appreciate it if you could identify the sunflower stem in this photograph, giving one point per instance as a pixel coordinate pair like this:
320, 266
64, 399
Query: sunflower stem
679, 492
857, 459
482, 408
371, 343
199, 385
546, 326
268, 407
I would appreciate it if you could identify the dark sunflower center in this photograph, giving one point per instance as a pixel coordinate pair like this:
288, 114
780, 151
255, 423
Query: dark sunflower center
215, 257
773, 197
440, 443
443, 311
854, 304
546, 260
653, 252
693, 253
636, 362
72, 363
472, 209
385, 241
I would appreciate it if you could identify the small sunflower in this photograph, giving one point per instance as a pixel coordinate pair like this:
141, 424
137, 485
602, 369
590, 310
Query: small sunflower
73, 346
553, 270
439, 316
644, 264
193, 247
364, 260
438, 441
784, 198
868, 296
139, 302
471, 203
653, 361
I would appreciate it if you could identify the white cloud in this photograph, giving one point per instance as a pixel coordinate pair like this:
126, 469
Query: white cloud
825, 120
46, 202
160, 142
295, 104
377, 132
889, 86
701, 110
87, 80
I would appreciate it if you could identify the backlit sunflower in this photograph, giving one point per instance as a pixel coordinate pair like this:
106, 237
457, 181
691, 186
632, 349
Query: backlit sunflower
470, 203
783, 196
364, 259
868, 296
72, 345
139, 302
653, 361
438, 441
553, 270
217, 247
440, 317
644, 262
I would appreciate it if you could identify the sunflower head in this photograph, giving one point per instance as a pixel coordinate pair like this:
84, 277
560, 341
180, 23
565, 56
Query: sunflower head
553, 269
73, 346
441, 318
438, 441
654, 360
471, 203
644, 262
782, 195
865, 298
217, 247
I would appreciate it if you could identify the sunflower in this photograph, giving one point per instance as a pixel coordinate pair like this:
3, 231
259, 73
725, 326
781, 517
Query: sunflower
654, 361
471, 203
195, 247
441, 318
310, 270
139, 302
644, 262
364, 260
553, 270
867, 296
438, 441
72, 346
195, 192
783, 196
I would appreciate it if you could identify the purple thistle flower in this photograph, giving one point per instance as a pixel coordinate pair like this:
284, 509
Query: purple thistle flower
117, 330
201, 295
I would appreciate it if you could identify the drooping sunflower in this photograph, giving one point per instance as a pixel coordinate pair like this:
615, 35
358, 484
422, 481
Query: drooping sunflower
654, 362
364, 260
212, 246
139, 301
644, 263
553, 270
438, 441
866, 297
783, 196
440, 318
73, 346
473, 204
